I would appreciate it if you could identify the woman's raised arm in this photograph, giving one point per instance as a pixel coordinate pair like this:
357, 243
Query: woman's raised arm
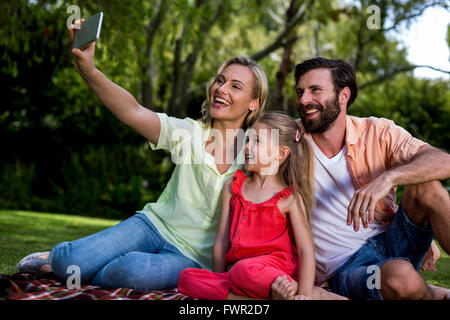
118, 100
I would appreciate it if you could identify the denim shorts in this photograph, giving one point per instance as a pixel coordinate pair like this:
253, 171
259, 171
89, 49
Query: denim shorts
357, 277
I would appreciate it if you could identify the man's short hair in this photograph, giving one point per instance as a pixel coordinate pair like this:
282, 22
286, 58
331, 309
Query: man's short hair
342, 73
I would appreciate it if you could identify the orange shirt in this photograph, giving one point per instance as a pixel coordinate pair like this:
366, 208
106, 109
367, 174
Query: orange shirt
373, 146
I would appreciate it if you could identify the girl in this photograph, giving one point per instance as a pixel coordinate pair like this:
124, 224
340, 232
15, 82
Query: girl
260, 213
150, 249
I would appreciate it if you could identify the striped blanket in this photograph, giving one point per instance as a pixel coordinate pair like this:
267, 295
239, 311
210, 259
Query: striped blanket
23, 286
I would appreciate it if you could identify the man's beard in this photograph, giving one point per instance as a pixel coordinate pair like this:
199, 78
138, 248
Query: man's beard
325, 118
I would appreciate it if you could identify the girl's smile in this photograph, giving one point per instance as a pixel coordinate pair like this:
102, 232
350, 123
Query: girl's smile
258, 149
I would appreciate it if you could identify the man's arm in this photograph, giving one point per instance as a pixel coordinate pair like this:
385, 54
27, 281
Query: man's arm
428, 164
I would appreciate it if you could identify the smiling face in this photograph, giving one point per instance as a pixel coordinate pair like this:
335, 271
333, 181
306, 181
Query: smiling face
317, 100
231, 94
261, 150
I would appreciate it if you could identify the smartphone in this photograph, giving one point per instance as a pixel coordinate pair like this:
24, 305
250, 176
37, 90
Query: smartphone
89, 32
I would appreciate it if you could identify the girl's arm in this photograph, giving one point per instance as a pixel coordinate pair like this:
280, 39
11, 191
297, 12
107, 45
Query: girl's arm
222, 242
119, 101
305, 247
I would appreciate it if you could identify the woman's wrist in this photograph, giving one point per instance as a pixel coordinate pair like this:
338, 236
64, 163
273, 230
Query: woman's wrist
90, 74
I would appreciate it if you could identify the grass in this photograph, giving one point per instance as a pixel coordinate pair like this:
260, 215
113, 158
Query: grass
23, 232
441, 277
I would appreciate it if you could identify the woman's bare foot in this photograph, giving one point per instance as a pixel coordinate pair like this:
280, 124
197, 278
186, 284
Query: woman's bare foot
45, 268
282, 289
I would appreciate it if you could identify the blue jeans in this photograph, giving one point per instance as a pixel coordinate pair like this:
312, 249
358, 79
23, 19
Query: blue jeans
403, 240
131, 254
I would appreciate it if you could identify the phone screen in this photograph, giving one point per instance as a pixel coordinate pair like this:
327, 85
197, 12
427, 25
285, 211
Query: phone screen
89, 32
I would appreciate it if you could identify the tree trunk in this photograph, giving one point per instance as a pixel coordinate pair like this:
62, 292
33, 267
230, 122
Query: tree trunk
277, 102
280, 40
183, 70
147, 65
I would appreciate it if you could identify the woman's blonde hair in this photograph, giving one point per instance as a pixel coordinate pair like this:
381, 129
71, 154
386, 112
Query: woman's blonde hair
260, 90
297, 171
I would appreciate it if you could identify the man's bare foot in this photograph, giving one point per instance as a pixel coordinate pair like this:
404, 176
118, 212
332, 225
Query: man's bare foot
440, 293
282, 289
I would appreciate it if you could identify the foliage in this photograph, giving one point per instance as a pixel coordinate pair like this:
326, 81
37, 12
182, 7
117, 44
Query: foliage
16, 186
94, 182
421, 106
63, 151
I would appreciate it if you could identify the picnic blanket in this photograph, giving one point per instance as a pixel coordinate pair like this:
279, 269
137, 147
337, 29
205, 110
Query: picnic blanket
24, 286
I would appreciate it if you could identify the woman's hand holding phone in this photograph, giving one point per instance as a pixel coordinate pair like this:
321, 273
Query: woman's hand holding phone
83, 58
118, 100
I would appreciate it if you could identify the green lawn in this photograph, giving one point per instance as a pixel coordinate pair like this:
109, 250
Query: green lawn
23, 232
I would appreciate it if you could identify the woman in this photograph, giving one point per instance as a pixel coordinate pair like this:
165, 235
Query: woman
150, 249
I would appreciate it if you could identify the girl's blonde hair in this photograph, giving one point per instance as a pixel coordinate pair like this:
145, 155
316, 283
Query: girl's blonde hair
297, 170
260, 90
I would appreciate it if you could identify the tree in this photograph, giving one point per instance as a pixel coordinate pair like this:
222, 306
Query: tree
62, 149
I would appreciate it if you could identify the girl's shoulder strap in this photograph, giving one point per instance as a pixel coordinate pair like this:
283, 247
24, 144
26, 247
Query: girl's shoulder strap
283, 194
274, 200
238, 179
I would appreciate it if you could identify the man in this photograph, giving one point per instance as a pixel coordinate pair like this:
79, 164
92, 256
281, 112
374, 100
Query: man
366, 247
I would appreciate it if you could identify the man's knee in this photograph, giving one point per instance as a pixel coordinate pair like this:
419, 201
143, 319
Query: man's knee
399, 280
424, 195
419, 200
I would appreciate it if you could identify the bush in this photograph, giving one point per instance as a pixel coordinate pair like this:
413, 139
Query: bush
16, 189
111, 181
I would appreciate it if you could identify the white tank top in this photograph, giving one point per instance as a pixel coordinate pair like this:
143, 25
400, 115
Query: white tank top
335, 240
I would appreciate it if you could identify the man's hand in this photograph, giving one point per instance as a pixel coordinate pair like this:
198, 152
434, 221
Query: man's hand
362, 205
